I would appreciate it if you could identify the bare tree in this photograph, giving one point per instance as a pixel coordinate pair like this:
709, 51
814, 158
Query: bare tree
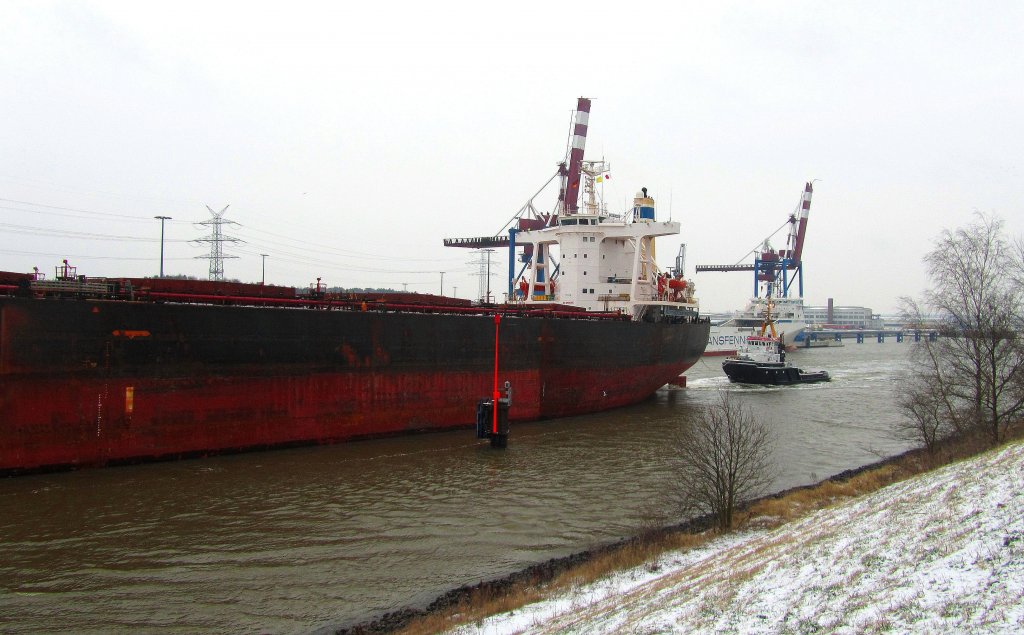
725, 459
933, 415
973, 374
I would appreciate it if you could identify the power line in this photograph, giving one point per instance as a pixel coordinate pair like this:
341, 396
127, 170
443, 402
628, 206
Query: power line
16, 252
145, 219
63, 233
217, 240
302, 252
335, 250
66, 209
255, 249
484, 273
41, 184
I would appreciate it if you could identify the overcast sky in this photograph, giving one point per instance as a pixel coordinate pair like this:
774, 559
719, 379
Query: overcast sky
349, 141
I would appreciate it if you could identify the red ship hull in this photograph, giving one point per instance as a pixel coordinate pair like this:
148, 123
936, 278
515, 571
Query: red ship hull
93, 382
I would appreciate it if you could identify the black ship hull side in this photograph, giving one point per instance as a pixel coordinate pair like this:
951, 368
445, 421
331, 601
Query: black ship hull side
90, 382
748, 372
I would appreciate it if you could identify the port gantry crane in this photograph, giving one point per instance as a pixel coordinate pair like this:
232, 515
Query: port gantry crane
528, 217
771, 267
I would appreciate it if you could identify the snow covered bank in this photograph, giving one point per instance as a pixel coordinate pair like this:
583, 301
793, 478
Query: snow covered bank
939, 553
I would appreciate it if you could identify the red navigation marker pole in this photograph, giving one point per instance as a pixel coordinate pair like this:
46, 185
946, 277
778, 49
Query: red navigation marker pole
496, 395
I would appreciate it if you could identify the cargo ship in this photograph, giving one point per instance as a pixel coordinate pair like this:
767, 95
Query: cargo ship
102, 371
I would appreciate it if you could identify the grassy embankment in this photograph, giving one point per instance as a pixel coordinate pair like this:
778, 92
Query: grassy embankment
471, 604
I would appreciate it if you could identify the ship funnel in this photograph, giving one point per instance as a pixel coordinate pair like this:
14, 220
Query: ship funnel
643, 206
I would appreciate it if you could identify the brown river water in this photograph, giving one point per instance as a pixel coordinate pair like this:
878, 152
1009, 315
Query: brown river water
292, 541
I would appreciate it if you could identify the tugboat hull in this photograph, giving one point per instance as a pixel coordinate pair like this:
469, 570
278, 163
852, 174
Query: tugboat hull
771, 374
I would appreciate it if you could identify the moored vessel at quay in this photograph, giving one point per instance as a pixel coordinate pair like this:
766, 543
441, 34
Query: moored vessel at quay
775, 271
97, 371
729, 336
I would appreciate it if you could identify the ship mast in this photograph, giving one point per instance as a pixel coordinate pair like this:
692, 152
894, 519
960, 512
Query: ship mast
594, 171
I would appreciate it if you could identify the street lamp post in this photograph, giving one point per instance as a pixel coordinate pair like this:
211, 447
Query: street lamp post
162, 220
264, 280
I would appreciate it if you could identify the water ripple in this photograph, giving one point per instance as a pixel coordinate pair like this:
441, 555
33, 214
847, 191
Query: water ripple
292, 540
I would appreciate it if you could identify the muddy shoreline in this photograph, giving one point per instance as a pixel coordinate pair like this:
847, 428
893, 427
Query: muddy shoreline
546, 571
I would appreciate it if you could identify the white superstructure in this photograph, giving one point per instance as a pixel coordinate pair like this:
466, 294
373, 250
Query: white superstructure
601, 262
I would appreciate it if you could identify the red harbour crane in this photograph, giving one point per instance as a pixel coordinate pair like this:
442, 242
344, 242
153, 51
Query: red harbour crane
771, 267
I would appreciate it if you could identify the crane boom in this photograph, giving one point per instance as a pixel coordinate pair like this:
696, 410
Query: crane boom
770, 265
795, 241
805, 208
569, 173
569, 192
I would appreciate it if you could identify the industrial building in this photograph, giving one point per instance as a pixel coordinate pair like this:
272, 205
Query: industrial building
852, 317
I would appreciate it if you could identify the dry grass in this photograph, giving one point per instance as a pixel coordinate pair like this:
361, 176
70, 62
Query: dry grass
474, 608
774, 511
644, 551
648, 548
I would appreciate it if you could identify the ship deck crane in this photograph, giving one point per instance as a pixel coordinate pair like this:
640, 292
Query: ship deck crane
569, 174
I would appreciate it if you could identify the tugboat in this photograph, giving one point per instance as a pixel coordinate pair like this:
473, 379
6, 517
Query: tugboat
762, 359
